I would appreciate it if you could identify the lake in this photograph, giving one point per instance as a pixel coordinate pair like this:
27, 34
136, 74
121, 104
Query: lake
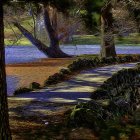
20, 54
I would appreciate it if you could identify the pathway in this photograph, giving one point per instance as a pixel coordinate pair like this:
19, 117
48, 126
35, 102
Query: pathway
77, 89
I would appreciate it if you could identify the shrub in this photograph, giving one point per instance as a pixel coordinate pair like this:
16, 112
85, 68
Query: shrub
89, 114
99, 94
108, 60
123, 84
54, 79
22, 90
35, 85
128, 58
92, 62
65, 71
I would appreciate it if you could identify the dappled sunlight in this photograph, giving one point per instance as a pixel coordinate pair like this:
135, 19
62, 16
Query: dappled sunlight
20, 99
77, 88
96, 79
60, 100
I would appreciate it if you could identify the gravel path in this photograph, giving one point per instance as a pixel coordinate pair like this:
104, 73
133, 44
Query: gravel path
77, 89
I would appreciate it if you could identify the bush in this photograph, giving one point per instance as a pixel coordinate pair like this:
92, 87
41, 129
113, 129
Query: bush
128, 58
22, 90
65, 71
123, 84
89, 114
108, 60
91, 62
99, 94
35, 85
54, 79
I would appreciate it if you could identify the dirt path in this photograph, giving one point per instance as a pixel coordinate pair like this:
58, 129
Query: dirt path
76, 89
37, 112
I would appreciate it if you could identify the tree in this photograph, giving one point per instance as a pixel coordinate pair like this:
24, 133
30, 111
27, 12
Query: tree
134, 11
4, 118
53, 50
107, 32
96, 11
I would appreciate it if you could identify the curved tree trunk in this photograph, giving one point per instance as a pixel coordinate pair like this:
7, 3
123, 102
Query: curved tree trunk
53, 36
4, 117
107, 37
53, 50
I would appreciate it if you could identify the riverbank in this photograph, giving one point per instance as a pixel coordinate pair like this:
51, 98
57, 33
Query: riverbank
131, 40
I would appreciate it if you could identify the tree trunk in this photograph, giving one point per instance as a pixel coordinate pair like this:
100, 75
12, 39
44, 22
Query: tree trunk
53, 51
42, 47
107, 37
53, 36
4, 117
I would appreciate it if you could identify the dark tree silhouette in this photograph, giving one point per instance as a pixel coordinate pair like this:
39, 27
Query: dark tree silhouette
4, 118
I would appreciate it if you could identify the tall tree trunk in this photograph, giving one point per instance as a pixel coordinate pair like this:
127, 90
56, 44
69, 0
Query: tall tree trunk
4, 117
107, 37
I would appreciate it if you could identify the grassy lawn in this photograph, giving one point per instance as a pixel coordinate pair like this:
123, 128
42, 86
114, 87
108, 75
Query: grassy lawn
132, 39
82, 40
13, 36
10, 36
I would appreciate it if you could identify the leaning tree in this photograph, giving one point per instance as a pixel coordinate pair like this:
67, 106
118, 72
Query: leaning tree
53, 50
4, 117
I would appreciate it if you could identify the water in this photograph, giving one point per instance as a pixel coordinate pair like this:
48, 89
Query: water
20, 54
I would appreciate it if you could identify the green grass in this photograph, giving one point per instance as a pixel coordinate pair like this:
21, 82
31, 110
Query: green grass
21, 42
132, 39
10, 38
11, 33
85, 39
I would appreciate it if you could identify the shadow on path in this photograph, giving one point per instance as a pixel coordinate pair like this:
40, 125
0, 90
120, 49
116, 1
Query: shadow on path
76, 89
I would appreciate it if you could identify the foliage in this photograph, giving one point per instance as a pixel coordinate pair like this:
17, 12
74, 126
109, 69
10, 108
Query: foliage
113, 107
54, 79
35, 85
22, 90
121, 84
92, 15
65, 71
